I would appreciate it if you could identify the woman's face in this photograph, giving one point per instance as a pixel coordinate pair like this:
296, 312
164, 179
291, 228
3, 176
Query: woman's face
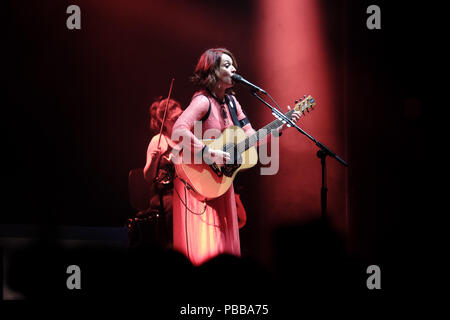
225, 71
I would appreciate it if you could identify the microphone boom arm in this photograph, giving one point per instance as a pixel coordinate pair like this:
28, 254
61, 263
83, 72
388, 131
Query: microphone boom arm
288, 121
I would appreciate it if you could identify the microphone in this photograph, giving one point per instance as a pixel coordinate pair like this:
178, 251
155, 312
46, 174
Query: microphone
238, 78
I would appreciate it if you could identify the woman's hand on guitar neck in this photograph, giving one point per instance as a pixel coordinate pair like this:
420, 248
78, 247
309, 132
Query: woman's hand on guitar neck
294, 117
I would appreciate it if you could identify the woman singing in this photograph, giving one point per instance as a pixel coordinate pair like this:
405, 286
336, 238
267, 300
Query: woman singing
203, 230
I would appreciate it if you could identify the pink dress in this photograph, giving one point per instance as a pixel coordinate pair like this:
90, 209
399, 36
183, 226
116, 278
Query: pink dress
204, 230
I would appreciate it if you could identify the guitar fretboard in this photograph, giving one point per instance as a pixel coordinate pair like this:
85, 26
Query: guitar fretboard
260, 134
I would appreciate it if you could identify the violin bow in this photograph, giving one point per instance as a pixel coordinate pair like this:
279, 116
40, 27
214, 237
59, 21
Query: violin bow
165, 112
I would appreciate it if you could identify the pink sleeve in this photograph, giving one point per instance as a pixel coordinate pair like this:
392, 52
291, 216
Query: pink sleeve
183, 127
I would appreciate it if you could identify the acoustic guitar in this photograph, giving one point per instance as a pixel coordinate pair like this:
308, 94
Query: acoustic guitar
211, 180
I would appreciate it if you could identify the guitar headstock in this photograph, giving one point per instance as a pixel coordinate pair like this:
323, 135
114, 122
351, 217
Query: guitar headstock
305, 104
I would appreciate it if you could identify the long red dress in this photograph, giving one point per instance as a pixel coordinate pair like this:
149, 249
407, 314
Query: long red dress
200, 233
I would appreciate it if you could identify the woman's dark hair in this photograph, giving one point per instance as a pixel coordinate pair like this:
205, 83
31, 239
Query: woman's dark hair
205, 71
157, 109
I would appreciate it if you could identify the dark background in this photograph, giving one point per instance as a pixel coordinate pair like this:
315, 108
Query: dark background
75, 120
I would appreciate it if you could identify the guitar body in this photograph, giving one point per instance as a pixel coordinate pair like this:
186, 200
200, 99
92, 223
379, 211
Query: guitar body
212, 181
209, 181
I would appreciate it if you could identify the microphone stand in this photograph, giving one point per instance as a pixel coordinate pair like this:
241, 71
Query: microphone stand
322, 153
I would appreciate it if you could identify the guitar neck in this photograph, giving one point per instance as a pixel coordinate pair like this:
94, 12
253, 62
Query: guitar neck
262, 133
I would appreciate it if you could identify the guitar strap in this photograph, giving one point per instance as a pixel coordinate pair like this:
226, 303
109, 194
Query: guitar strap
233, 111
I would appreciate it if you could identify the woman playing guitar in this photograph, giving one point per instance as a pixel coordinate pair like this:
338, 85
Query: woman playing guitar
205, 229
